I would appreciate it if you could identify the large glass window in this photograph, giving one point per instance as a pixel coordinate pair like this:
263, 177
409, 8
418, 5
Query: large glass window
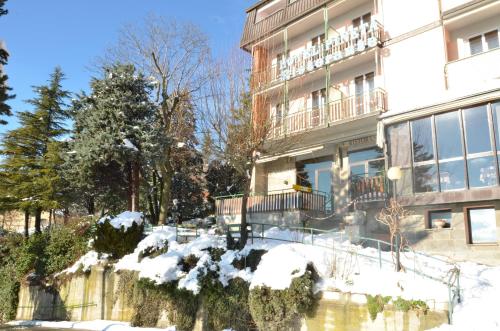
482, 225
425, 169
450, 151
481, 167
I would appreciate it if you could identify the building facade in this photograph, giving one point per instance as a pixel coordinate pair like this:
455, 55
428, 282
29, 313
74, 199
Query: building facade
355, 87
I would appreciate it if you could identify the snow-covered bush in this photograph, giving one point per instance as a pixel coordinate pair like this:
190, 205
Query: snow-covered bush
283, 309
118, 235
181, 305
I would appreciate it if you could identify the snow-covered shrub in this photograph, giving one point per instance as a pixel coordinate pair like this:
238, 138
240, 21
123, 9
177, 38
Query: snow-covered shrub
283, 309
154, 251
118, 235
251, 260
226, 307
181, 305
188, 262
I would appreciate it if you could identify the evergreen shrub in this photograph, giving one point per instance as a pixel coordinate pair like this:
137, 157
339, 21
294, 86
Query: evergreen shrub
283, 309
117, 242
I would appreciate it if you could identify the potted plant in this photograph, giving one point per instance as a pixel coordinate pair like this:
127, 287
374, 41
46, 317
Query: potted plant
440, 223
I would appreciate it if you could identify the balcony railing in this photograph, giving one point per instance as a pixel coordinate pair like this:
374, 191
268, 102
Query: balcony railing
368, 188
354, 41
254, 30
266, 203
348, 108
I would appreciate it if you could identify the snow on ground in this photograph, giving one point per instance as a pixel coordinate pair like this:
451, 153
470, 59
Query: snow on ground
86, 262
97, 325
125, 219
340, 264
479, 308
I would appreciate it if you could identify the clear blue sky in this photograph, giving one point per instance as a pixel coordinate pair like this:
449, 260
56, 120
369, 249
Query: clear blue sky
71, 33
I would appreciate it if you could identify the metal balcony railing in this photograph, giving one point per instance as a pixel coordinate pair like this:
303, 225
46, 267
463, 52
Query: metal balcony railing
344, 109
353, 41
271, 202
368, 188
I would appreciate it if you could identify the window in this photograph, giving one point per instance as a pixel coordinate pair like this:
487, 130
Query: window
439, 219
476, 45
424, 164
480, 161
318, 102
491, 39
483, 42
318, 40
362, 84
481, 225
358, 21
450, 151
317, 174
366, 163
269, 9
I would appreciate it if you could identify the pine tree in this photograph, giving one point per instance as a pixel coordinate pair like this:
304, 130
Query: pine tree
114, 129
4, 89
29, 177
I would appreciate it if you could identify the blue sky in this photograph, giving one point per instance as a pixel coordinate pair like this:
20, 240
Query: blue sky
72, 33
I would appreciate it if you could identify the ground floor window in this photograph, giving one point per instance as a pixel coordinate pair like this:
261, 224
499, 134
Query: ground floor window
439, 219
481, 225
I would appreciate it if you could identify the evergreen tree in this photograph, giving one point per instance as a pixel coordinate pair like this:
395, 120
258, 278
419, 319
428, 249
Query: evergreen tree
113, 131
4, 89
30, 180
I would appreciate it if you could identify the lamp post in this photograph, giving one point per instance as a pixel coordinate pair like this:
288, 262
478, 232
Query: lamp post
394, 174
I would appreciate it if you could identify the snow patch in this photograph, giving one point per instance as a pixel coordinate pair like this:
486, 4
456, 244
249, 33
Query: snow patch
125, 219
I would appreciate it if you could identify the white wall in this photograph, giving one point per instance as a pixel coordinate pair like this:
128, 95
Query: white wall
402, 16
414, 71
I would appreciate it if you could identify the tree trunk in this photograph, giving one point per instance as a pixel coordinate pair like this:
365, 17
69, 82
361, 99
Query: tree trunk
243, 225
50, 217
90, 205
133, 185
26, 223
167, 172
38, 220
152, 211
66, 216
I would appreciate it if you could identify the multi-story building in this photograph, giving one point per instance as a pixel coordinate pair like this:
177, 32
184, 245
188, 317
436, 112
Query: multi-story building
358, 86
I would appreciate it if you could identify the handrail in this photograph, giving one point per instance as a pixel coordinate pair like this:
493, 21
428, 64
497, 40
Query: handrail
452, 283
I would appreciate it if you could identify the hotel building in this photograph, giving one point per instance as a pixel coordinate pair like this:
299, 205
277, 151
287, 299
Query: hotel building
359, 86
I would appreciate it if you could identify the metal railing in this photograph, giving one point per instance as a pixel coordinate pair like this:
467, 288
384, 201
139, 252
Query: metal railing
339, 110
306, 235
353, 41
368, 188
277, 201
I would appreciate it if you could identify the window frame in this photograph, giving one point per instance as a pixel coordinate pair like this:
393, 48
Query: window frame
468, 228
484, 45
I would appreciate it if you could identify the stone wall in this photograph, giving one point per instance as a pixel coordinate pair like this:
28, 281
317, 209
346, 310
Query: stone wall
93, 296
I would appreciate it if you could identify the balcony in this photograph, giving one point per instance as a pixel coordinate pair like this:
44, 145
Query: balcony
337, 111
365, 189
255, 30
480, 70
272, 202
353, 41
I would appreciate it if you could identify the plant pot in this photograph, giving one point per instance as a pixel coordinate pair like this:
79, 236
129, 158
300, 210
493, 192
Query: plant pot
440, 223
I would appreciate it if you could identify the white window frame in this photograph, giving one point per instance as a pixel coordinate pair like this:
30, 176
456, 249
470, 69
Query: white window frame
483, 41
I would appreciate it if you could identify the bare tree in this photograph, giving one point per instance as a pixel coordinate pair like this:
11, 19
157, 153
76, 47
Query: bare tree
174, 55
391, 216
240, 124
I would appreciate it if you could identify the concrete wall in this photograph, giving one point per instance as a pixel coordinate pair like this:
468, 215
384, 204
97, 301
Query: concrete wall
90, 297
450, 242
